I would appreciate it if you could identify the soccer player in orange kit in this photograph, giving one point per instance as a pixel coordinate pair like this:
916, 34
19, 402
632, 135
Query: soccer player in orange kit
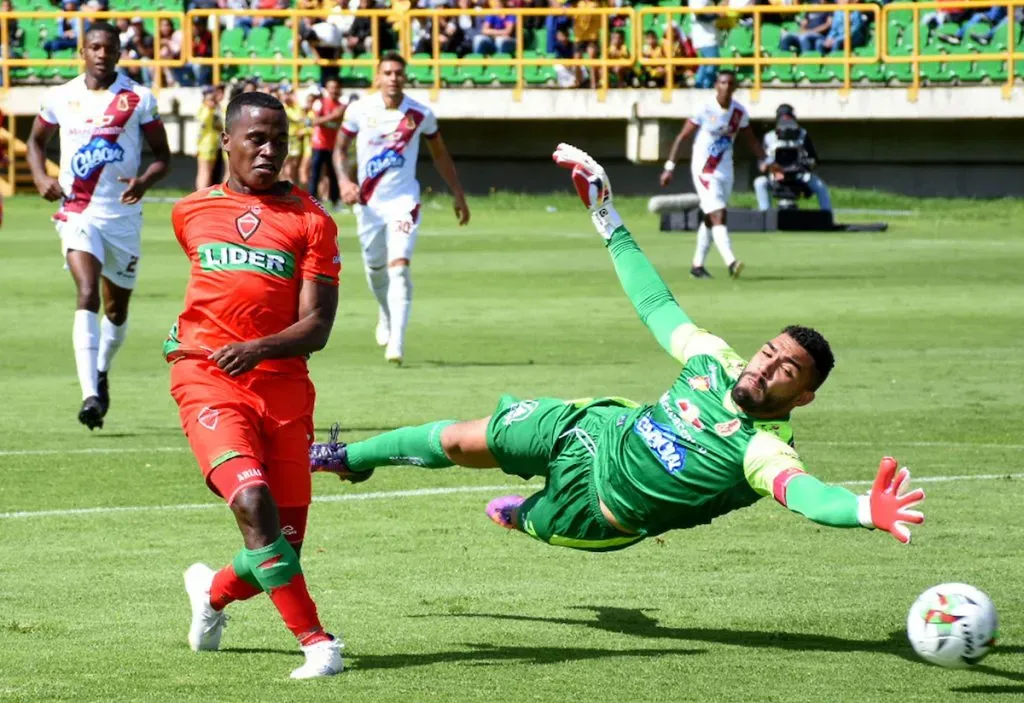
262, 297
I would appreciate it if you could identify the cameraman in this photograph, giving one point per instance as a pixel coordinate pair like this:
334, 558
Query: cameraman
791, 149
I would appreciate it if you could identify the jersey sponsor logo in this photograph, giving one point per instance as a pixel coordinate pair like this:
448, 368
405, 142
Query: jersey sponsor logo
727, 429
288, 531
681, 427
690, 413
208, 417
700, 383
247, 224
662, 443
94, 155
519, 411
720, 146
220, 256
382, 162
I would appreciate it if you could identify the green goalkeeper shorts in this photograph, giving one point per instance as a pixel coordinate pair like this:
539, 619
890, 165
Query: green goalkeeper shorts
556, 439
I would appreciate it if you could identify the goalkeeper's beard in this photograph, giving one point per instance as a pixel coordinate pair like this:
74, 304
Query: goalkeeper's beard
754, 399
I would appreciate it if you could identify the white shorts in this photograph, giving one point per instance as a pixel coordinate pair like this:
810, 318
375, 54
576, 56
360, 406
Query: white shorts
715, 195
385, 237
115, 241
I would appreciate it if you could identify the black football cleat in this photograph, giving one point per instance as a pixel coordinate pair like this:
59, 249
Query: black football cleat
103, 391
91, 414
699, 272
736, 268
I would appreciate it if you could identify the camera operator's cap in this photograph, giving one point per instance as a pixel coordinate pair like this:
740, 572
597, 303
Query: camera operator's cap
785, 109
137, 20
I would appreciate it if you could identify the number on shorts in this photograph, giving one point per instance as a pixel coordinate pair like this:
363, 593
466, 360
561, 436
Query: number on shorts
130, 268
403, 226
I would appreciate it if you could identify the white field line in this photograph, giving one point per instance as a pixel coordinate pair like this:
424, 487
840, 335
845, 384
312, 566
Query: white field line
812, 443
413, 493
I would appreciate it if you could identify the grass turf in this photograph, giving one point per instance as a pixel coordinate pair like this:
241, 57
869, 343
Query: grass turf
434, 602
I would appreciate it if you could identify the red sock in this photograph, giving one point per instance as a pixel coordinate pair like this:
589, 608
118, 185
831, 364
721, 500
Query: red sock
228, 587
298, 611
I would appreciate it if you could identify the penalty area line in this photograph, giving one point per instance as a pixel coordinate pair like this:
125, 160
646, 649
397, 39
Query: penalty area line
415, 493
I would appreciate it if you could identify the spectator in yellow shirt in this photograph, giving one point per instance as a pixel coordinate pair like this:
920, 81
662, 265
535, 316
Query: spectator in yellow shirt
652, 76
210, 126
586, 31
617, 49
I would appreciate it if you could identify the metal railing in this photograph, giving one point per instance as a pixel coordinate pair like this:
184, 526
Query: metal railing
877, 52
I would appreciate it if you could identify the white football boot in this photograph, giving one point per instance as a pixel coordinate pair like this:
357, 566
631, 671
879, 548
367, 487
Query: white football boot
207, 623
322, 659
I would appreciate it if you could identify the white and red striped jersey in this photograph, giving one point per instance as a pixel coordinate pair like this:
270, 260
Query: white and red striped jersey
101, 135
387, 146
712, 147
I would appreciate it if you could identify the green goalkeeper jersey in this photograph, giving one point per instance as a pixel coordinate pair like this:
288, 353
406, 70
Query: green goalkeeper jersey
695, 455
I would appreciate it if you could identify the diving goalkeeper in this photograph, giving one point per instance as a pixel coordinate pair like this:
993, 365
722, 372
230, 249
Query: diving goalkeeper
616, 472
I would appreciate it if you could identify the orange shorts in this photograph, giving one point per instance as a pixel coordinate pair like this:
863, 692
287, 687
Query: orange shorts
261, 416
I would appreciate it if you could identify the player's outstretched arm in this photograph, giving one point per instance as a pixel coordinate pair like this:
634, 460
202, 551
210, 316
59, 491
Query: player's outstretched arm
646, 290
883, 507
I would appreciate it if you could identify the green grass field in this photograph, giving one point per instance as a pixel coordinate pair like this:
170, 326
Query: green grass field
436, 603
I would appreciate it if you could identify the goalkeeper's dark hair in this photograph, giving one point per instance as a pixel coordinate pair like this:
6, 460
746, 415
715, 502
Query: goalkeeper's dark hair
818, 349
104, 28
253, 98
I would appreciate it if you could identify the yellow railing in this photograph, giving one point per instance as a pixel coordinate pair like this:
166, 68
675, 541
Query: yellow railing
156, 64
876, 52
758, 61
915, 58
518, 61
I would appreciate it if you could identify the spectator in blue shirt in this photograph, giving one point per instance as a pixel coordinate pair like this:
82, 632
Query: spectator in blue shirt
993, 16
814, 27
836, 37
497, 33
67, 32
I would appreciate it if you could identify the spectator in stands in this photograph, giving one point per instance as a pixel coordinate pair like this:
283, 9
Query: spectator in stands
993, 16
15, 34
553, 23
67, 32
457, 31
202, 47
934, 20
814, 27
140, 48
359, 35
243, 22
421, 29
704, 35
497, 33
271, 22
621, 76
170, 50
986, 38
681, 47
836, 37
586, 31
209, 119
562, 49
652, 76
124, 33
326, 41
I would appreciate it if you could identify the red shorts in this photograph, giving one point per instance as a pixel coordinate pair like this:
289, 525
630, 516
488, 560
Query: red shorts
265, 417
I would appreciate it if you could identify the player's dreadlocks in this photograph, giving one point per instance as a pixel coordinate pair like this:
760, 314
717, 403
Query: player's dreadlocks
815, 345
250, 99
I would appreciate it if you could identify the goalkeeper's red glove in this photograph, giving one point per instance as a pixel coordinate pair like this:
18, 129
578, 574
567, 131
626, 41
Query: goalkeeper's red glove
883, 507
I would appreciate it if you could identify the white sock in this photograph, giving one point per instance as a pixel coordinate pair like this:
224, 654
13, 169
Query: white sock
85, 336
399, 302
720, 233
700, 254
378, 280
111, 338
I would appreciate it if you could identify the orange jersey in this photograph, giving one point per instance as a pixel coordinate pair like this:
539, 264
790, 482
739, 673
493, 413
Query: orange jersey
249, 257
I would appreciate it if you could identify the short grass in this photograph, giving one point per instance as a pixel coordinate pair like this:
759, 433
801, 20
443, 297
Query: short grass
434, 602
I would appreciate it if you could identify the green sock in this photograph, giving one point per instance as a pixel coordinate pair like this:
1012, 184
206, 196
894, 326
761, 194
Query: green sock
274, 565
244, 570
417, 446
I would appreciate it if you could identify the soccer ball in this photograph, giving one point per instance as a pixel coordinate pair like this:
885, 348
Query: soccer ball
953, 625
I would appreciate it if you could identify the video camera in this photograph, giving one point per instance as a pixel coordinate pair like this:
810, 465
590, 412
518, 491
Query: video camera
788, 152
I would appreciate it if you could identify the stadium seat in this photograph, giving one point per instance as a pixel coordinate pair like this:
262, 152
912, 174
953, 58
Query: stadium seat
421, 74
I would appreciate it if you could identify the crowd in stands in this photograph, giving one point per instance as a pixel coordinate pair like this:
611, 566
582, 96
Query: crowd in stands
340, 33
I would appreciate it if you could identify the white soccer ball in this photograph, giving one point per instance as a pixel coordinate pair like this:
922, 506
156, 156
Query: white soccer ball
953, 625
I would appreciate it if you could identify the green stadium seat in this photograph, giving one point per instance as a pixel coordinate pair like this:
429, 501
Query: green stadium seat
450, 73
281, 40
420, 74
474, 73
538, 75
258, 42
233, 41
309, 74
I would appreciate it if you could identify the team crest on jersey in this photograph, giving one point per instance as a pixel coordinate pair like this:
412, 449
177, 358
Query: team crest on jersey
122, 102
410, 123
700, 383
95, 155
247, 224
690, 413
727, 429
208, 418
517, 412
